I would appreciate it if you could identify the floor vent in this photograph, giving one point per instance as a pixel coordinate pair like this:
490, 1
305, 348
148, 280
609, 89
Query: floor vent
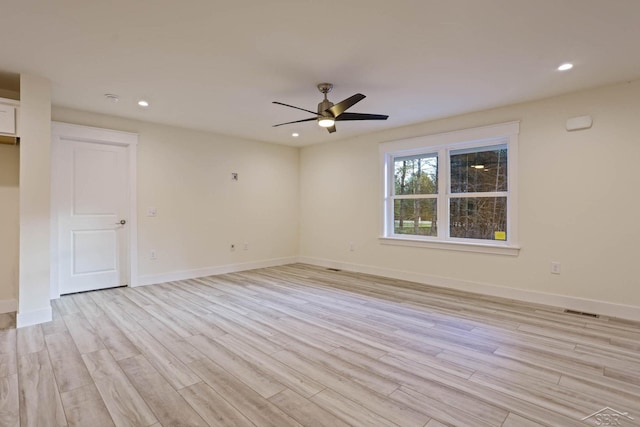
582, 313
334, 269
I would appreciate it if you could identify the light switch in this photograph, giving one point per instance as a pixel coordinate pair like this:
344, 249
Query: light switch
152, 211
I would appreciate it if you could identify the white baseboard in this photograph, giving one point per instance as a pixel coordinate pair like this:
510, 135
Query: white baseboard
8, 305
153, 279
563, 301
34, 317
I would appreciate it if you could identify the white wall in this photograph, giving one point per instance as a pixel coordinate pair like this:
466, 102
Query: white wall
9, 226
578, 205
186, 175
35, 191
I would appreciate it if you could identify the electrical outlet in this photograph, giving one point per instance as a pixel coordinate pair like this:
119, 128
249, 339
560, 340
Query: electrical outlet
245, 246
232, 247
555, 267
352, 246
234, 176
153, 254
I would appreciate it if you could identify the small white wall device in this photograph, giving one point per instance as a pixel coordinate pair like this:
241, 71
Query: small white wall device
579, 123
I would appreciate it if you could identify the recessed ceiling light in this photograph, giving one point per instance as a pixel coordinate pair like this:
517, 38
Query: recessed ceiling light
143, 103
111, 97
295, 134
565, 67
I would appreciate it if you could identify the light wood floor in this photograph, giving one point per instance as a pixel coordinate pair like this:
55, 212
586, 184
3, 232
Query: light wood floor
300, 345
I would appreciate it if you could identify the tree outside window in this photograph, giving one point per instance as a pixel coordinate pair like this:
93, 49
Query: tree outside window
416, 188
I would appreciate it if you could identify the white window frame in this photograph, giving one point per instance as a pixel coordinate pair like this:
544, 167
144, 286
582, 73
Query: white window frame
442, 144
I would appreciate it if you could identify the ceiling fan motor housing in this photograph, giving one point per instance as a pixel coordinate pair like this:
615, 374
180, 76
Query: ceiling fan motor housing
323, 106
325, 88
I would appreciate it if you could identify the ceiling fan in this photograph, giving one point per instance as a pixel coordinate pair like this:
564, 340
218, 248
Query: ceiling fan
328, 113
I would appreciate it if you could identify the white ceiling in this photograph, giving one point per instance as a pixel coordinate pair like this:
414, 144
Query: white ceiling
216, 65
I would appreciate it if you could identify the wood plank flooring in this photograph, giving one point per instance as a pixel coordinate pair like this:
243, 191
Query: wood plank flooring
303, 346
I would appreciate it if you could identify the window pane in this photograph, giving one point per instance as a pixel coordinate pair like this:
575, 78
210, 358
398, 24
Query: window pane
478, 218
415, 216
483, 170
416, 174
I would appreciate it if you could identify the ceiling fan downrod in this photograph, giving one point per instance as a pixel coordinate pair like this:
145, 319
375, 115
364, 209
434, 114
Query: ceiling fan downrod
325, 88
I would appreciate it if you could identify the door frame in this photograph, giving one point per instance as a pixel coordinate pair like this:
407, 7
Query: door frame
66, 132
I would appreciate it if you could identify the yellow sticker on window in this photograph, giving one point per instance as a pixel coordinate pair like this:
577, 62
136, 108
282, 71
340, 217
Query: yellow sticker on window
500, 235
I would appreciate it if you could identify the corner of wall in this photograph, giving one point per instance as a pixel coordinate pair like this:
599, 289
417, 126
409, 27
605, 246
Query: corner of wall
34, 317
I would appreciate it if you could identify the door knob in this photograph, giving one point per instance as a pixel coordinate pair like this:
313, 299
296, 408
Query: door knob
122, 222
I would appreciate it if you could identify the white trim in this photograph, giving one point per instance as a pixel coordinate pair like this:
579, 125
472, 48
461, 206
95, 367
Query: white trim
450, 245
153, 279
34, 317
70, 132
133, 213
93, 134
621, 311
8, 305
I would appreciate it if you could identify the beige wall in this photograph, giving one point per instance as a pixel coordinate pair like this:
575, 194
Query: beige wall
578, 203
186, 175
9, 223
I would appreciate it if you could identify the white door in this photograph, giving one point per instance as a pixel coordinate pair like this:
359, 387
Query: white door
93, 194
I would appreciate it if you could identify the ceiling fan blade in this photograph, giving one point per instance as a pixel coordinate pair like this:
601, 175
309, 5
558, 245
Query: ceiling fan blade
297, 108
361, 116
343, 106
331, 129
297, 121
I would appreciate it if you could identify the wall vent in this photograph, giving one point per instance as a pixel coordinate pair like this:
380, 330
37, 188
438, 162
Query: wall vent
582, 313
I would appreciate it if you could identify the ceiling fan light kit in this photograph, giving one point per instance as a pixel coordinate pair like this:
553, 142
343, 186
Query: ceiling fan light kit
326, 122
328, 113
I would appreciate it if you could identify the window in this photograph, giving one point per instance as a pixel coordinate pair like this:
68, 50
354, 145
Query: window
415, 195
456, 189
479, 193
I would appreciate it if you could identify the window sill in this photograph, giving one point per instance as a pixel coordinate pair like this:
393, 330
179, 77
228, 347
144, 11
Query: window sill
452, 246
